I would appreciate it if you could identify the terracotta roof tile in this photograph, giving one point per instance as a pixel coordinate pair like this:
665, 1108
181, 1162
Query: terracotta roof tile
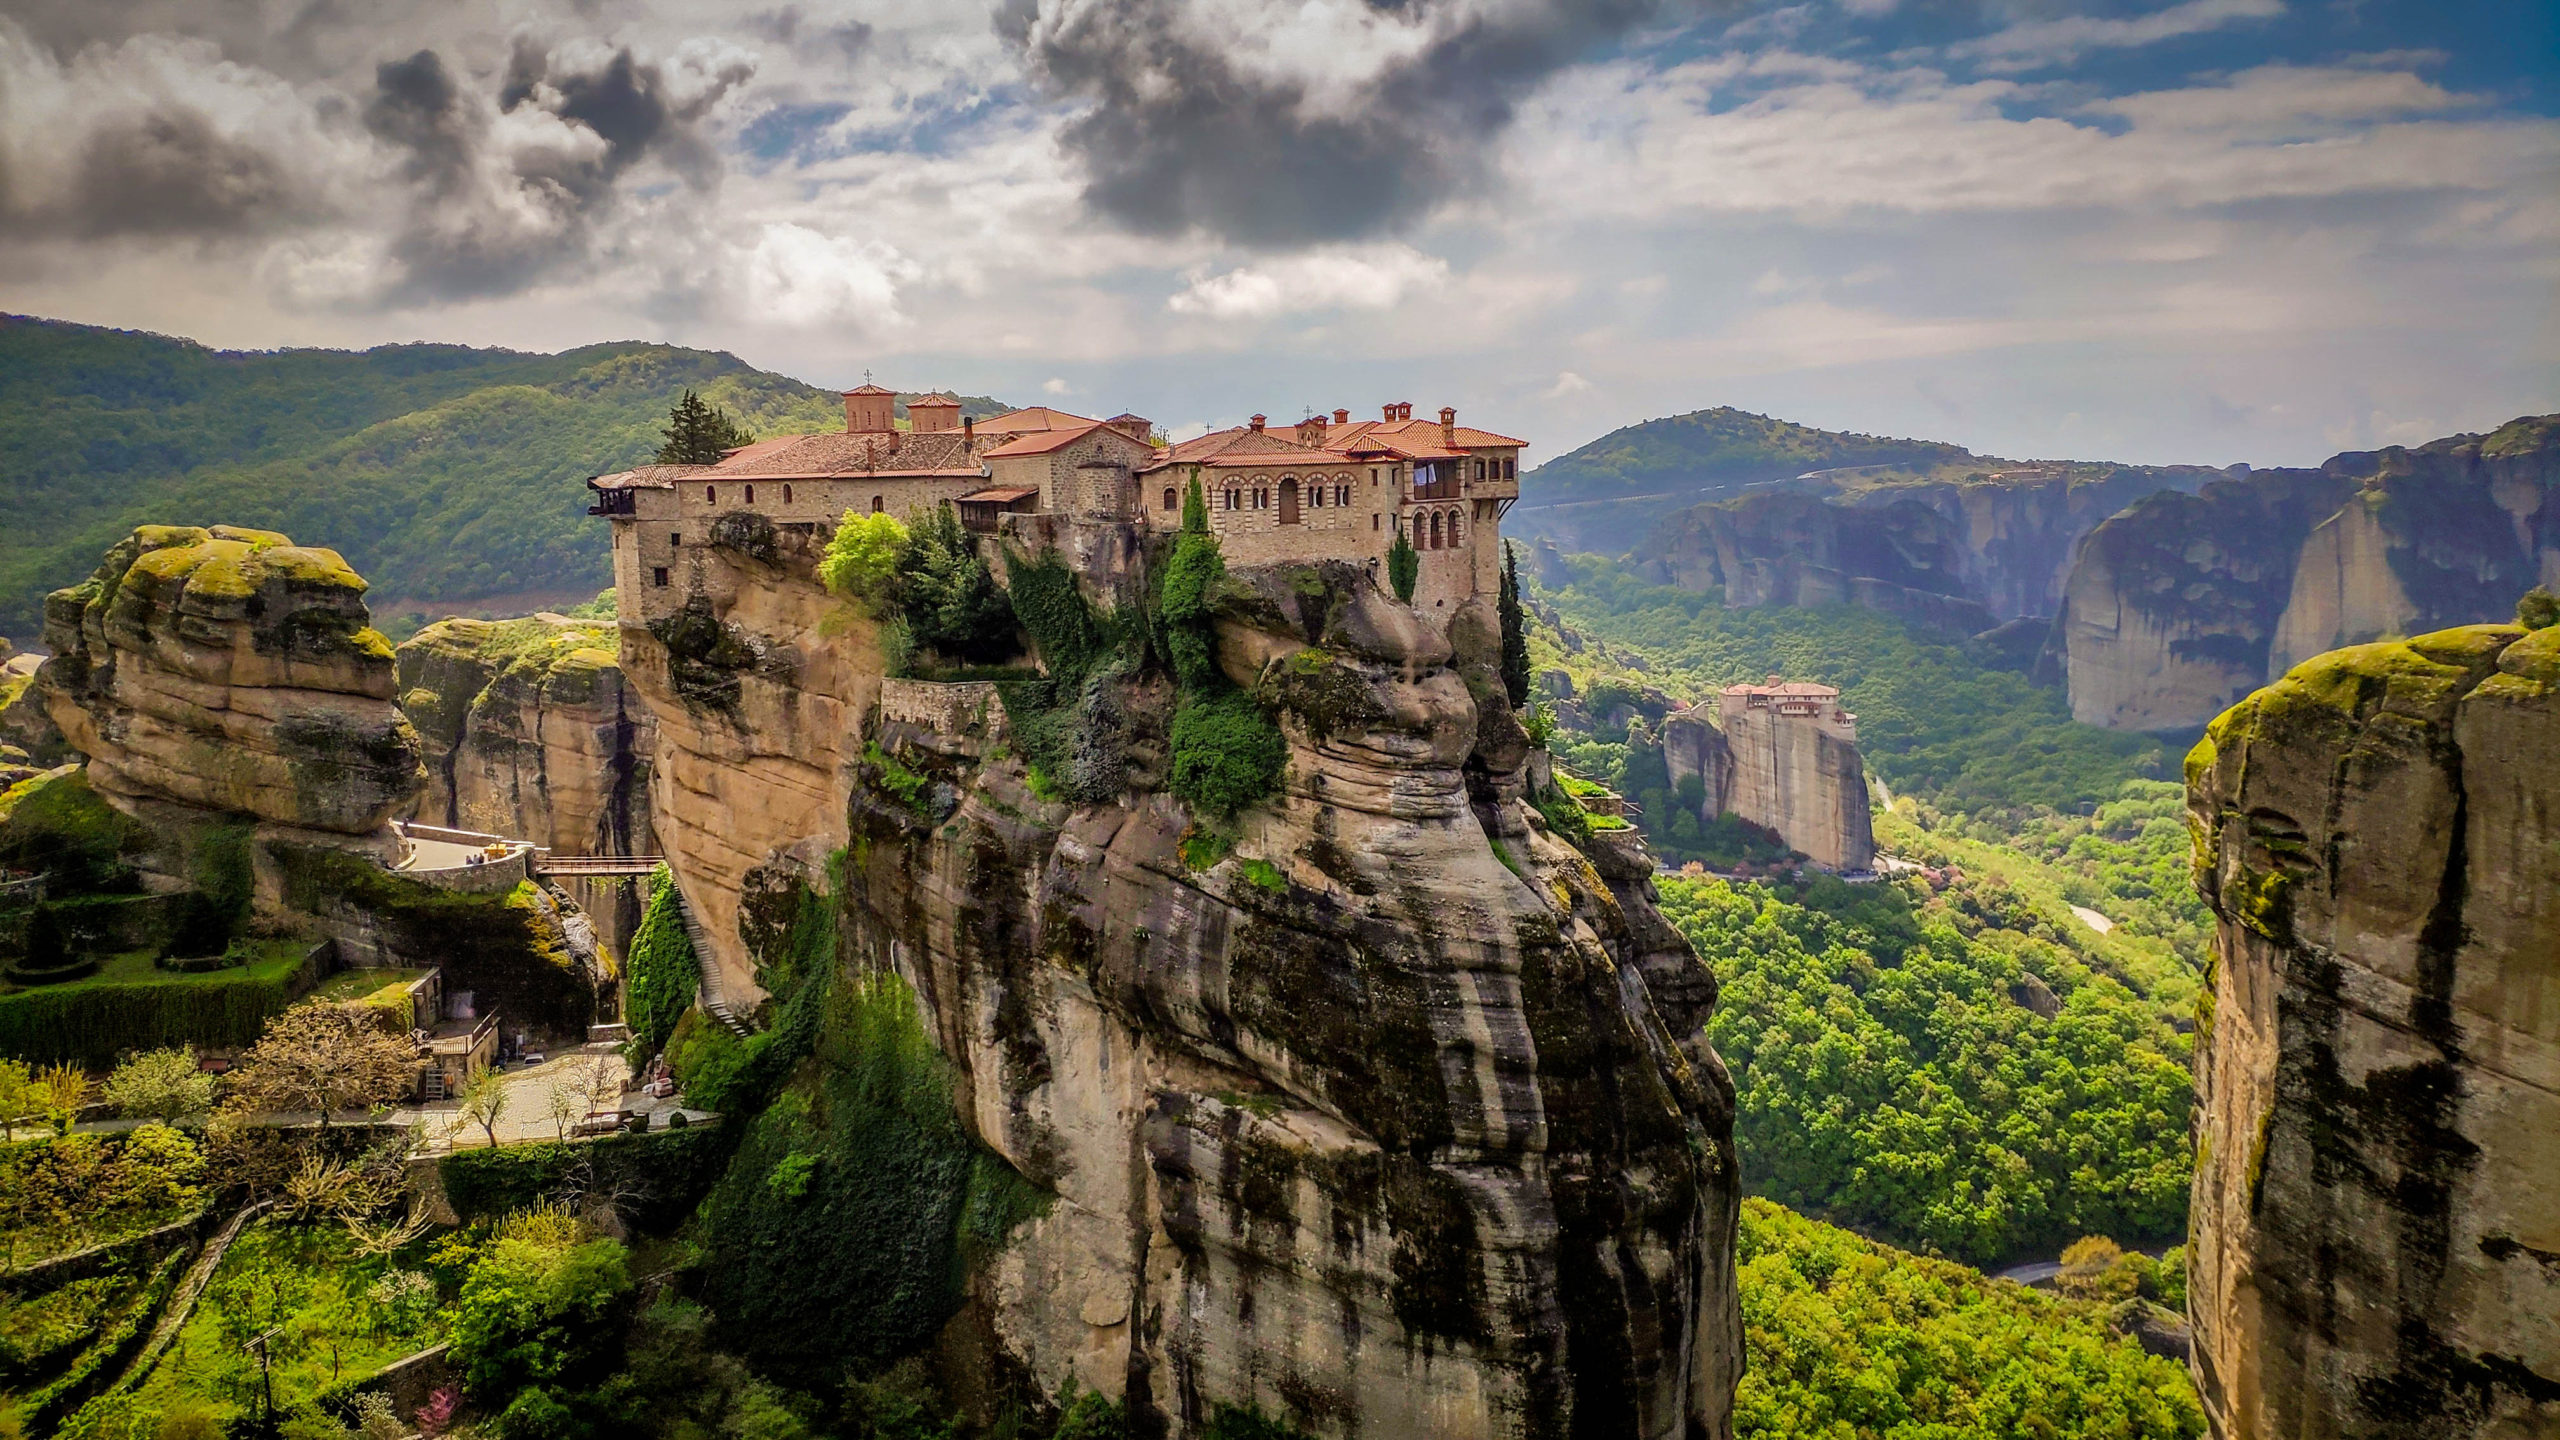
1041, 442
1001, 494
645, 477
1036, 417
817, 457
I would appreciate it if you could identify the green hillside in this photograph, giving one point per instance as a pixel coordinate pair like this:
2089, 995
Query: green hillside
443, 473
1602, 496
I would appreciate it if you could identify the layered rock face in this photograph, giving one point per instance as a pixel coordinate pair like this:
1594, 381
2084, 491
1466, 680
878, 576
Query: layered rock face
2375, 1244
1361, 1122
2184, 603
1955, 556
231, 670
760, 686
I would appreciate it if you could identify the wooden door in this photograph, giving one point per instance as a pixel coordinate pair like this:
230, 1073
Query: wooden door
1289, 502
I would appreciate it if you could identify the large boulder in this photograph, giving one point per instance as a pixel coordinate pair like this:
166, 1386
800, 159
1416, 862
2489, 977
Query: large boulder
2376, 1218
231, 671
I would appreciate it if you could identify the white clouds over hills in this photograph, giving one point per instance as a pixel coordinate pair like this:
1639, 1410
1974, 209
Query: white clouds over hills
2264, 257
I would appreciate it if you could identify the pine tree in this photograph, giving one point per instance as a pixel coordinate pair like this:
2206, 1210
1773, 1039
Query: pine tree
698, 434
1404, 565
1515, 631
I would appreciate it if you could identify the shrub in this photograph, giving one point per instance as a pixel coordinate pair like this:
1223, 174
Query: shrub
1228, 755
161, 1085
863, 560
535, 1314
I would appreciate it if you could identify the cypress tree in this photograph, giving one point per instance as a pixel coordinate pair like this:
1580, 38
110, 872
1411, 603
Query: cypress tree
1404, 566
1515, 631
698, 434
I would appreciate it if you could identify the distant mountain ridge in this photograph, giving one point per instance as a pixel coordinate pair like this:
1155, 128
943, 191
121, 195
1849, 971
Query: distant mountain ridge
444, 473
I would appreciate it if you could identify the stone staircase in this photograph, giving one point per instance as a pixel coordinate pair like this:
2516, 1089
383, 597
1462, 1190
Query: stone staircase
711, 997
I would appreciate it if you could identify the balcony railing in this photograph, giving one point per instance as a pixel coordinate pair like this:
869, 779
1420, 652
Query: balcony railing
613, 502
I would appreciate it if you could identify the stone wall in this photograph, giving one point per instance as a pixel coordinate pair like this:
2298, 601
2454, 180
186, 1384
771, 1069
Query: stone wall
2375, 1244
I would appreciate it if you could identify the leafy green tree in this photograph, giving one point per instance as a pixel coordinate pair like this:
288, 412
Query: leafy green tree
160, 1085
699, 434
1227, 754
863, 560
536, 1312
1190, 579
1404, 566
1515, 630
1845, 1337
952, 603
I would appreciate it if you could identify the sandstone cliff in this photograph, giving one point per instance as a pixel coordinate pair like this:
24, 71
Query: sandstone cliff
2375, 1243
1803, 779
2184, 603
231, 670
529, 730
1368, 1122
1957, 556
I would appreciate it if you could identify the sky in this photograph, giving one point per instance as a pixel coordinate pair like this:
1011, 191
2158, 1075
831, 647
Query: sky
2208, 231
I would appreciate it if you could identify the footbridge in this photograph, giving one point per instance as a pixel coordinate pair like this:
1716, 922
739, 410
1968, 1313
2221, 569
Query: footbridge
561, 866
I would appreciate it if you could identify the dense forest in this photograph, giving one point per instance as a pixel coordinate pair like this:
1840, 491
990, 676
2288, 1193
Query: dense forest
443, 473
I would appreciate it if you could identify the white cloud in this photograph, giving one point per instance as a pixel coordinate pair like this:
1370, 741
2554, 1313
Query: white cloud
2034, 43
1567, 383
1370, 278
1056, 385
795, 277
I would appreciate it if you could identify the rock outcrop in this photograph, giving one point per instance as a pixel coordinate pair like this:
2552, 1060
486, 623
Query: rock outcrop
529, 730
2184, 603
1368, 1122
2375, 1244
1798, 774
232, 671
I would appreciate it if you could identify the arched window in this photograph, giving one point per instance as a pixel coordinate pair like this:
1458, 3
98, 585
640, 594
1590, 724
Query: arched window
1453, 529
1315, 497
710, 494
1421, 532
1342, 493
1231, 499
1435, 529
1170, 501
786, 494
1510, 469
751, 494
876, 505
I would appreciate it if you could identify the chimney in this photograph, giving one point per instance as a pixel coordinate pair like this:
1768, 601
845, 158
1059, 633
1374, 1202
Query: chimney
969, 429
1404, 409
1257, 423
1448, 427
1387, 411
1341, 417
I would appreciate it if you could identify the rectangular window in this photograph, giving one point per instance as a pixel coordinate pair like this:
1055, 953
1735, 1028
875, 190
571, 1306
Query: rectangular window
675, 538
658, 577
1373, 521
1510, 469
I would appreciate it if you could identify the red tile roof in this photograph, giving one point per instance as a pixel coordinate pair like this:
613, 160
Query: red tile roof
645, 477
834, 453
1241, 445
1001, 494
1042, 442
1036, 417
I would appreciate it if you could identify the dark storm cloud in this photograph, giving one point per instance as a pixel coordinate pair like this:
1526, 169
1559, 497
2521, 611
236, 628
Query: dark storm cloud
492, 212
172, 172
1182, 136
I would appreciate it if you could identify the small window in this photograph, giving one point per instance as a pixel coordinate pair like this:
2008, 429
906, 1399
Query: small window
751, 494
876, 505
1373, 522
710, 494
1373, 474
1231, 499
1453, 527
1170, 503
658, 577
1315, 497
786, 494
675, 538
1511, 469
1342, 495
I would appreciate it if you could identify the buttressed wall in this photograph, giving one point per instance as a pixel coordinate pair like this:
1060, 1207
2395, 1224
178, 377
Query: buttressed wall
2376, 1220
231, 670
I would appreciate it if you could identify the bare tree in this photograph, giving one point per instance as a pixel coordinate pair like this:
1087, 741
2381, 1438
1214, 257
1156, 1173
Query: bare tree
484, 1100
323, 1058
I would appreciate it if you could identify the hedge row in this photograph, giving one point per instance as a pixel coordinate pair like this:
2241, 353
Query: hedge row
92, 1024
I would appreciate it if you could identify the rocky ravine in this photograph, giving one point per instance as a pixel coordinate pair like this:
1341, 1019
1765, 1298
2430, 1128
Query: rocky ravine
2375, 1242
1361, 1123
2184, 603
530, 731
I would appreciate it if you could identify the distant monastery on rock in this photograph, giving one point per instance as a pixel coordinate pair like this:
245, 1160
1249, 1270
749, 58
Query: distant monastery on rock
1322, 489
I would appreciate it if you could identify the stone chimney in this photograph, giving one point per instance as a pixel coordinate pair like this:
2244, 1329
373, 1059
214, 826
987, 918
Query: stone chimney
870, 411
1341, 417
1387, 411
1448, 427
1257, 423
1404, 409
932, 414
